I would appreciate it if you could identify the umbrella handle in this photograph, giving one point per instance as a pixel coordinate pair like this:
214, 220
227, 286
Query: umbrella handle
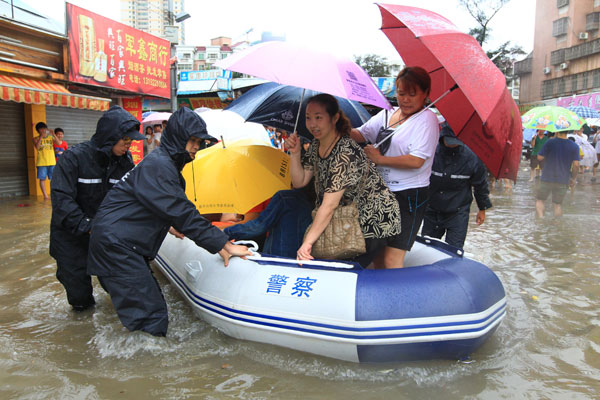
299, 109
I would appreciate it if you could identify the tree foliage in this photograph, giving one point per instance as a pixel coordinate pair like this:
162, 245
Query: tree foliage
482, 11
504, 57
374, 65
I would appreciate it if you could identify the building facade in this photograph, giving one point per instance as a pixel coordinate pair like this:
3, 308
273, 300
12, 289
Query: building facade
564, 66
152, 16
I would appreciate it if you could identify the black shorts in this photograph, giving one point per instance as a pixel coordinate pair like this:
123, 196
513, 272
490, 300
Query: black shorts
374, 247
413, 203
534, 162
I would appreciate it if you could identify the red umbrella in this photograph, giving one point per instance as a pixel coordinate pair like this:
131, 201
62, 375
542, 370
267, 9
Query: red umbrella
481, 111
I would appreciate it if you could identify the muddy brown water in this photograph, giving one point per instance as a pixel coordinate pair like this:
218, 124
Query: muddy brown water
547, 347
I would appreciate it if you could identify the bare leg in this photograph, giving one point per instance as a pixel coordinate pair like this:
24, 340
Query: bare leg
531, 174
557, 210
540, 208
43, 187
393, 258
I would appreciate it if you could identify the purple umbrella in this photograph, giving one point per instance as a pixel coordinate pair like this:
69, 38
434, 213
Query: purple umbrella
290, 64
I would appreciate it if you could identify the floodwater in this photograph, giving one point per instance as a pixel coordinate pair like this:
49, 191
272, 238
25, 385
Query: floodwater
547, 347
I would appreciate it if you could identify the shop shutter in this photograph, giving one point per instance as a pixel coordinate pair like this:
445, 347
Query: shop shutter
79, 125
13, 155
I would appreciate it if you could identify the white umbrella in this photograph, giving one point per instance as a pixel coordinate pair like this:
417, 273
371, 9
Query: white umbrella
229, 127
156, 118
593, 121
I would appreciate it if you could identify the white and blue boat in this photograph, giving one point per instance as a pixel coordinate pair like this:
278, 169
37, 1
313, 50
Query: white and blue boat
440, 306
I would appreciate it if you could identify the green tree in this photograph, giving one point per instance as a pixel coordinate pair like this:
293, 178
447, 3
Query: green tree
482, 11
504, 57
374, 65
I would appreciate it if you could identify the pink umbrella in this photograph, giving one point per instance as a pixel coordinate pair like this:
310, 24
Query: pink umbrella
290, 64
156, 117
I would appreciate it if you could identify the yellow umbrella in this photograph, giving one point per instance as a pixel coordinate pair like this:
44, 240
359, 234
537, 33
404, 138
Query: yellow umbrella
237, 177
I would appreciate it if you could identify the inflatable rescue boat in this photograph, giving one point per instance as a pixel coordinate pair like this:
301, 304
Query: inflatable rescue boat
442, 305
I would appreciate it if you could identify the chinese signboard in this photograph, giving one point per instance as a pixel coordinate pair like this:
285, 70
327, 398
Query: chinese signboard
222, 77
134, 106
107, 53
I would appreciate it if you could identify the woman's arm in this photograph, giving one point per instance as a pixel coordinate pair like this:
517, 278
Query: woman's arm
402, 162
322, 219
300, 176
357, 136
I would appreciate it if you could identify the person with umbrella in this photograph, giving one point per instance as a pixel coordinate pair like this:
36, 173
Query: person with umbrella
135, 217
537, 142
561, 165
405, 159
343, 174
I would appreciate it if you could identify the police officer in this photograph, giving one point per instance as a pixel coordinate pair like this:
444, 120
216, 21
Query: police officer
82, 177
135, 217
456, 175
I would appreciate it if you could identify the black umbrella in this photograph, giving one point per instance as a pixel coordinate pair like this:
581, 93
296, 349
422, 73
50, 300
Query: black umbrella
277, 105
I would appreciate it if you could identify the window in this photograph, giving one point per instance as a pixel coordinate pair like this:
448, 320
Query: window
560, 26
574, 83
562, 3
596, 78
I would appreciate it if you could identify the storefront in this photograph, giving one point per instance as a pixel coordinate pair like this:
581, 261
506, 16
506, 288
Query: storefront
31, 83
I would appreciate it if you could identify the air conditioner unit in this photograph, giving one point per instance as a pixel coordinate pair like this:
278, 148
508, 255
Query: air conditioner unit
563, 66
583, 35
547, 70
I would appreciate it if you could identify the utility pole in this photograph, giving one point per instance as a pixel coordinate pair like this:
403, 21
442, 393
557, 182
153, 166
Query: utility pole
174, 64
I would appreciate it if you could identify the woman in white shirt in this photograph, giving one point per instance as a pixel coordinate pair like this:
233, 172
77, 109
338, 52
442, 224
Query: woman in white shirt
406, 159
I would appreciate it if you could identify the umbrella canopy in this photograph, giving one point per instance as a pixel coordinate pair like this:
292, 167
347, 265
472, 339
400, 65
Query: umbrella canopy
277, 105
593, 121
236, 178
552, 119
156, 118
290, 64
481, 111
528, 134
230, 127
585, 112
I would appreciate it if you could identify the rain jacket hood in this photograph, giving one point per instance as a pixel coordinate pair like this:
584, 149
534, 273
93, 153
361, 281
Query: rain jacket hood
112, 126
183, 124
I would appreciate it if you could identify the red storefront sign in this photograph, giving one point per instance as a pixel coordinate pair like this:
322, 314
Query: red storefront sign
134, 106
107, 53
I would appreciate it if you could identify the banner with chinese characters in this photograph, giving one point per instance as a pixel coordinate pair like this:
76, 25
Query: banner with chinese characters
104, 52
134, 106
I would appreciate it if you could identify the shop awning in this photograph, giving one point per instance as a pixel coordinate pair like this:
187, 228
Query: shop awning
23, 90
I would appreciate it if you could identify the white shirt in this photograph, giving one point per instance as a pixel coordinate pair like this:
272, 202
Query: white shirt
153, 145
418, 136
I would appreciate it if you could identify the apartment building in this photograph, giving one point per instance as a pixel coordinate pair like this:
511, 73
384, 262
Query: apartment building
564, 66
152, 16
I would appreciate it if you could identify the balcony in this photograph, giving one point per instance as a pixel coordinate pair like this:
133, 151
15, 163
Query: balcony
557, 57
582, 50
524, 66
592, 21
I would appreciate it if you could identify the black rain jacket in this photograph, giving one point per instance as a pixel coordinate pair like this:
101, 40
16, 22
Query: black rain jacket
457, 173
136, 215
82, 177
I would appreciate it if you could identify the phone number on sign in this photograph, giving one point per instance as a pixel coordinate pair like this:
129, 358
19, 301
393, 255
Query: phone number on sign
154, 82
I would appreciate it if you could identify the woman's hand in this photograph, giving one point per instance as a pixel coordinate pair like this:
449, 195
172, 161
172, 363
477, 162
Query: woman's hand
304, 252
373, 153
293, 144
